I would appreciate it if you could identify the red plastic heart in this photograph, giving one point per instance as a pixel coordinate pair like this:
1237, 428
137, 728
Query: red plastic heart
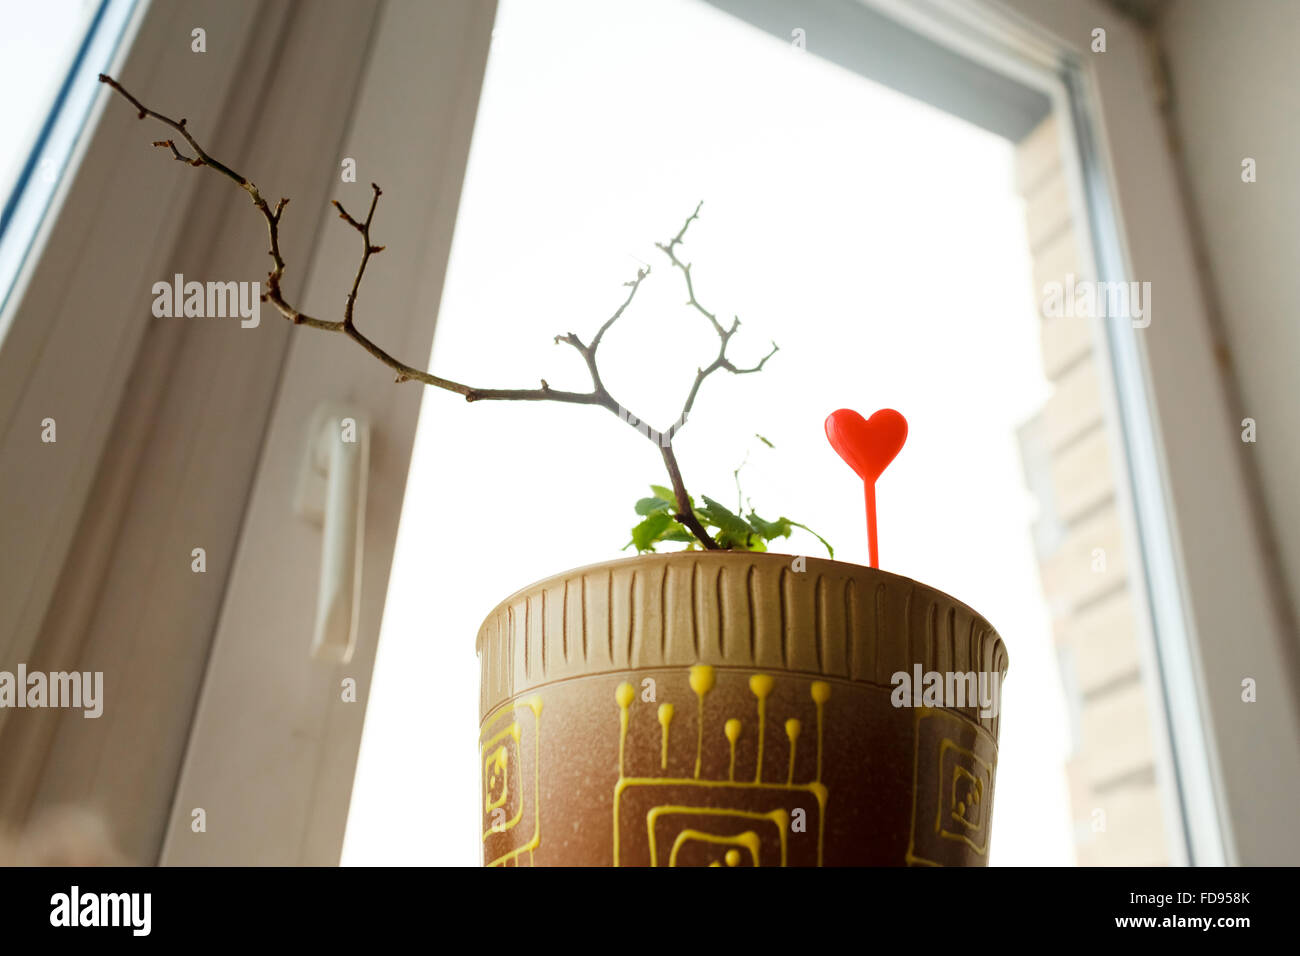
867, 444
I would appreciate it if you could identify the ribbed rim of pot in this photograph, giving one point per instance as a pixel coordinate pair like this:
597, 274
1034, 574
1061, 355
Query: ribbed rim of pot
730, 609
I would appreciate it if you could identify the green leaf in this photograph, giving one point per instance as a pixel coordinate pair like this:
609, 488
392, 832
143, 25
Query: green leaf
764, 440
770, 529
825, 543
729, 542
665, 494
731, 525
648, 531
733, 531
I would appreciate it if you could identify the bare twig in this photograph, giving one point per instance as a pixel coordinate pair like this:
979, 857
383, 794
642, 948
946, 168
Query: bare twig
724, 333
599, 394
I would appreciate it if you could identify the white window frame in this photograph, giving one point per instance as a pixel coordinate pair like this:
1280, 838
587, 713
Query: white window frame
1211, 611
1213, 615
174, 433
273, 746
56, 363
90, 521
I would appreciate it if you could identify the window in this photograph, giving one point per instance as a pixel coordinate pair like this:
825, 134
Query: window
49, 51
881, 242
891, 188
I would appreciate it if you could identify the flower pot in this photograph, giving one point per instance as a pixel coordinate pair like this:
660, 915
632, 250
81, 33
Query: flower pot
736, 709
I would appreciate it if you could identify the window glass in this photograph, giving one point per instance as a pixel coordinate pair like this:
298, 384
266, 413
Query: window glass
50, 55
880, 242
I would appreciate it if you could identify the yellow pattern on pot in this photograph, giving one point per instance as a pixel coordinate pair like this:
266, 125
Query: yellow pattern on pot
780, 796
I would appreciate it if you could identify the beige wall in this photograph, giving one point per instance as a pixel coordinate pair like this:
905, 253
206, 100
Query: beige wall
1234, 75
1116, 803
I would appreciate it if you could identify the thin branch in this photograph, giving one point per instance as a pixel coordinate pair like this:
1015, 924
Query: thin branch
669, 248
685, 515
720, 362
598, 396
176, 153
367, 249
633, 286
274, 294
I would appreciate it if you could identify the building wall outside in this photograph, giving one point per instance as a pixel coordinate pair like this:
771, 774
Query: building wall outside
1116, 804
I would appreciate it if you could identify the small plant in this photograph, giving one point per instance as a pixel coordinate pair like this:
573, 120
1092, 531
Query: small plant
671, 515
734, 533
659, 524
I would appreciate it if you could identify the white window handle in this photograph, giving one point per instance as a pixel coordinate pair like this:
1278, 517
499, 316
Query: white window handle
332, 493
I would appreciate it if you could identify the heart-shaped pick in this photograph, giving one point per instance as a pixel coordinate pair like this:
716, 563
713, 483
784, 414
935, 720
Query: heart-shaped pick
868, 445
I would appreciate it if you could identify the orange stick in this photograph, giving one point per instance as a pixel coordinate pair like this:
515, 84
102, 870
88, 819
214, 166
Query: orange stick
872, 549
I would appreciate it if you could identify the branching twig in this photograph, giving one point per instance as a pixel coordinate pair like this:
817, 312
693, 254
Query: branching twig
599, 394
724, 334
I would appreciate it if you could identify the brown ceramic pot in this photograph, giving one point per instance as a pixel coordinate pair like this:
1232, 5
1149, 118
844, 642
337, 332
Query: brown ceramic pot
734, 709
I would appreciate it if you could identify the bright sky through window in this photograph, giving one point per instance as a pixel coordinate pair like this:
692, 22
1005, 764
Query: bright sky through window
36, 48
878, 241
